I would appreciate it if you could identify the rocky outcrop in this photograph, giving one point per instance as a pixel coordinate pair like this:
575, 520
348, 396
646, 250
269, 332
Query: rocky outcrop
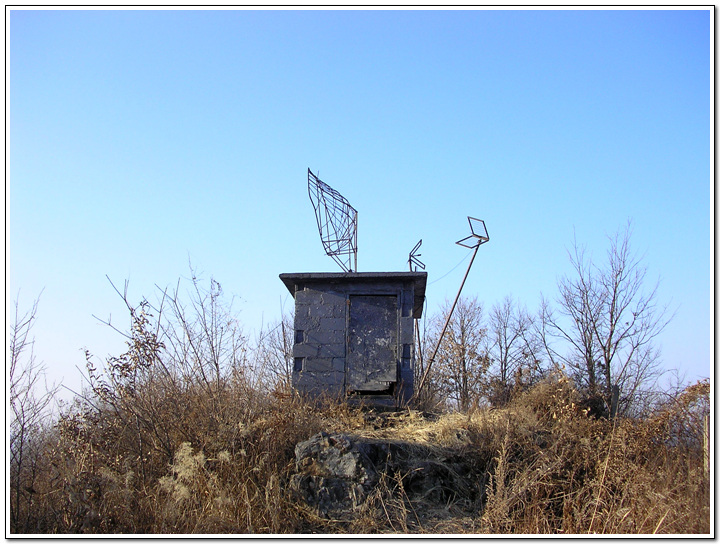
337, 472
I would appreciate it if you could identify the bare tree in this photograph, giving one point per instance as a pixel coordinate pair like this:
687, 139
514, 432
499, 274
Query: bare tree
429, 397
274, 354
607, 321
514, 350
462, 361
30, 406
202, 333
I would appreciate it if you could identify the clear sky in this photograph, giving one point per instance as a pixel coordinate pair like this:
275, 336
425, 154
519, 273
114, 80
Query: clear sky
141, 140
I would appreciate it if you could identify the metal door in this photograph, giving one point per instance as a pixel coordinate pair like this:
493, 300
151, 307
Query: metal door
372, 343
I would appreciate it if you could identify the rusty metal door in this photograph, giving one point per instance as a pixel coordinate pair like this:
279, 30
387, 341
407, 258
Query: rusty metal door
372, 343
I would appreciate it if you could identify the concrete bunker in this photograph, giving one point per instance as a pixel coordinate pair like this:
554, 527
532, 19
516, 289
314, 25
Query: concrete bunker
355, 334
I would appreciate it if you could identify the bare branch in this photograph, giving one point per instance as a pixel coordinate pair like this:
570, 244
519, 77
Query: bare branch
609, 321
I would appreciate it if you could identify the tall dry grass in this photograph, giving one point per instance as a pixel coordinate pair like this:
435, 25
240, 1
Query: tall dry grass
184, 434
559, 471
540, 465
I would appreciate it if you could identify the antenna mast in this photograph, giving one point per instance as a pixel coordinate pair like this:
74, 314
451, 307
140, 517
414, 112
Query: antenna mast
478, 237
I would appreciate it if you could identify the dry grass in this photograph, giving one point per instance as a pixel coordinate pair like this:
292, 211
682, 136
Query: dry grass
543, 465
539, 465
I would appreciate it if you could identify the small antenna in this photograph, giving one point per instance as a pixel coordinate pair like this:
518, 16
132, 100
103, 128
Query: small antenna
413, 260
337, 222
479, 237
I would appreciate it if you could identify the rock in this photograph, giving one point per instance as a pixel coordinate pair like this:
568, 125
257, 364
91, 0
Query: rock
337, 472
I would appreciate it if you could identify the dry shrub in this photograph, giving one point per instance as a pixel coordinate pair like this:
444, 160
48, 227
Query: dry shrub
540, 465
183, 441
386, 510
557, 470
544, 464
224, 481
179, 434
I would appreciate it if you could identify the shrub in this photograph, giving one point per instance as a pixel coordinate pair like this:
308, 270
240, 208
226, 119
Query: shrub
179, 435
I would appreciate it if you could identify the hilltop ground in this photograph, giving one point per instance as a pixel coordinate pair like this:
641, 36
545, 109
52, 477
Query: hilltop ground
203, 462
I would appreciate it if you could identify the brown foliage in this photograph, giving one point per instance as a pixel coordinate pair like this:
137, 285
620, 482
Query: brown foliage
194, 443
540, 465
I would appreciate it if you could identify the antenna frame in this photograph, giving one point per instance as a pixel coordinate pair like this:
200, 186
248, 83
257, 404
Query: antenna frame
413, 259
337, 222
482, 236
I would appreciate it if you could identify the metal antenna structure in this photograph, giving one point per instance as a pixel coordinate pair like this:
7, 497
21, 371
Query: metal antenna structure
414, 263
413, 260
337, 223
478, 236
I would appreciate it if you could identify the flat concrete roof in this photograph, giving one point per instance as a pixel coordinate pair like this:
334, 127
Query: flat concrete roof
419, 278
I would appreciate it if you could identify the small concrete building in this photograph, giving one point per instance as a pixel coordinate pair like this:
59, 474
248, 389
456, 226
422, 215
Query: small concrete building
354, 333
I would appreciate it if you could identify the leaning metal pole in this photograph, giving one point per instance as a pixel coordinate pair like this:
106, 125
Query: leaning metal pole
447, 322
481, 238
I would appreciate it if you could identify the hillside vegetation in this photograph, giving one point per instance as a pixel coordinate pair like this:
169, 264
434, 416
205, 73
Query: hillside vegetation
546, 422
189, 460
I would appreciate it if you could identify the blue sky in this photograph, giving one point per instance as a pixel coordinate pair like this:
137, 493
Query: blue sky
141, 140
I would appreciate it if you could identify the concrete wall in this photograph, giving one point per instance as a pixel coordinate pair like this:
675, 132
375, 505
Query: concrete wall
320, 337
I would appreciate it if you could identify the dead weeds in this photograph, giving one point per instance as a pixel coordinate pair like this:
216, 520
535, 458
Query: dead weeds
541, 464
